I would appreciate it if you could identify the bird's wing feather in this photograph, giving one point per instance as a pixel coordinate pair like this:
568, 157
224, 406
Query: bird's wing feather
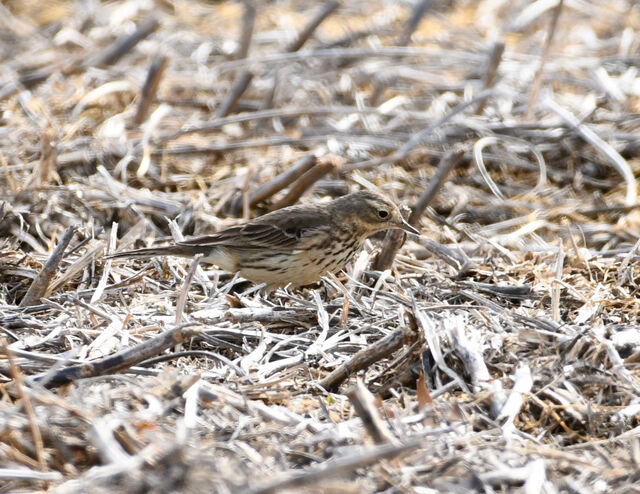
280, 229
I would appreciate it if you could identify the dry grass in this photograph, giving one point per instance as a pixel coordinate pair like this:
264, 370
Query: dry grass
501, 351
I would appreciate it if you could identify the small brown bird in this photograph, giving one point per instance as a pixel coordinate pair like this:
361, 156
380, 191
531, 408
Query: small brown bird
298, 244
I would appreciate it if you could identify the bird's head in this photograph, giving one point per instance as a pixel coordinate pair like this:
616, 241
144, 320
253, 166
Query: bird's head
370, 212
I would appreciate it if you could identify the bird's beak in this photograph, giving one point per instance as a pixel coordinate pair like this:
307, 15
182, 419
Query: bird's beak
408, 228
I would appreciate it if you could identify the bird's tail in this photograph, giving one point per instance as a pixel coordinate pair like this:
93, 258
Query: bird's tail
169, 250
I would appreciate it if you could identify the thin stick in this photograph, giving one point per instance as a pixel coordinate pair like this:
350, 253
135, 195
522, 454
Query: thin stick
26, 402
102, 284
364, 404
304, 183
248, 22
495, 57
150, 87
448, 162
239, 87
395, 238
367, 356
413, 21
81, 263
121, 360
308, 30
537, 82
39, 286
556, 285
121, 46
45, 171
182, 298
286, 178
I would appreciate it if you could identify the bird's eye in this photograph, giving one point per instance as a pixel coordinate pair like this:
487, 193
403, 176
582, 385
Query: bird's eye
383, 214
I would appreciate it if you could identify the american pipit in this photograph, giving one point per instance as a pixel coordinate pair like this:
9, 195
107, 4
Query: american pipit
298, 244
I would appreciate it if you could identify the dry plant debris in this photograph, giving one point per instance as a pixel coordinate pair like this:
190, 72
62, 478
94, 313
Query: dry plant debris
499, 352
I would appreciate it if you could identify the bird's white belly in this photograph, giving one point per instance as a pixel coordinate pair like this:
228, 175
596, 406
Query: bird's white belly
298, 267
221, 258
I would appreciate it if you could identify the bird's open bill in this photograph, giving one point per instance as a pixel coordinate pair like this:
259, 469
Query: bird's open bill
408, 228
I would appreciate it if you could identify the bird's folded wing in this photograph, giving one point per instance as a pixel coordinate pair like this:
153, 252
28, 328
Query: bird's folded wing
277, 230
247, 237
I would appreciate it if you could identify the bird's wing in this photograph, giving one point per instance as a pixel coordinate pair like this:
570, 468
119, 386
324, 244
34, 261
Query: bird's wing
279, 229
